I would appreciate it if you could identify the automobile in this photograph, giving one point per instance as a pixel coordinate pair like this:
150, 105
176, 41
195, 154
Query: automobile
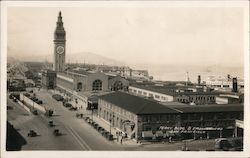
56, 132
229, 144
32, 133
14, 95
73, 108
26, 94
51, 124
9, 107
57, 97
79, 115
67, 105
11, 96
15, 99
34, 99
35, 112
49, 112
96, 125
39, 102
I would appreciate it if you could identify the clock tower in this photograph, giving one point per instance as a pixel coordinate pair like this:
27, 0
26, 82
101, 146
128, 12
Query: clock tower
59, 45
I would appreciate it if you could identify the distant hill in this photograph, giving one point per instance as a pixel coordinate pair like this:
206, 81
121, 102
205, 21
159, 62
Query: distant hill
91, 58
81, 57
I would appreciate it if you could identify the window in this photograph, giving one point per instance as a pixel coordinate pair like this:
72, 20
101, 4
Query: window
144, 93
97, 85
79, 86
117, 86
157, 96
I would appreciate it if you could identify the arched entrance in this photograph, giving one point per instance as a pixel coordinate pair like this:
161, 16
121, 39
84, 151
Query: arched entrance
117, 86
79, 86
97, 85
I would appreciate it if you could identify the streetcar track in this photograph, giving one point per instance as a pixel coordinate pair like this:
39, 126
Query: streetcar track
82, 143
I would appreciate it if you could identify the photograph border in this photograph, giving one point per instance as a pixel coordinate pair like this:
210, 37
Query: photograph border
6, 4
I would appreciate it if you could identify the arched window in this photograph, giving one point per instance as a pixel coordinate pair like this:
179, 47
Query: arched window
117, 86
79, 86
97, 85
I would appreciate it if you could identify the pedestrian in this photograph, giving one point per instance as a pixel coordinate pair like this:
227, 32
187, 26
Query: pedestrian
170, 139
121, 140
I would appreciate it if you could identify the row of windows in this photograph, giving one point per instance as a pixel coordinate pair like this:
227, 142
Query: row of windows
149, 94
159, 118
117, 109
202, 98
211, 116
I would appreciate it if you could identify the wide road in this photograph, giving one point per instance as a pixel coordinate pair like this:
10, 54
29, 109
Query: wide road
76, 133
24, 121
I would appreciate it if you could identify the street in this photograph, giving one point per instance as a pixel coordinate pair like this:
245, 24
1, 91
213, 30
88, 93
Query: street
76, 133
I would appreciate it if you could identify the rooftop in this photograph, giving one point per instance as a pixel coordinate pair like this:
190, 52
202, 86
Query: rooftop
136, 104
169, 90
140, 105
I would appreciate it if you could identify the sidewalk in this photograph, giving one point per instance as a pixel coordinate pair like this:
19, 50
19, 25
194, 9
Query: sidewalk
106, 125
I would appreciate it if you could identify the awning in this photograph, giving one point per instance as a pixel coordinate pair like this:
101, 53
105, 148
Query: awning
147, 134
159, 134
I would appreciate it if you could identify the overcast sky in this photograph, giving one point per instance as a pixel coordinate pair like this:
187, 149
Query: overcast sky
183, 36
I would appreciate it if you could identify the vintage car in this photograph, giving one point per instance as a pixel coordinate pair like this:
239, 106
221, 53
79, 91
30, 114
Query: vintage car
57, 132
73, 108
32, 133
229, 144
35, 112
51, 124
79, 115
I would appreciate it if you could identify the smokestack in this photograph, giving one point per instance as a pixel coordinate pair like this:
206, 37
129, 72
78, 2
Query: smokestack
199, 80
130, 72
235, 88
228, 77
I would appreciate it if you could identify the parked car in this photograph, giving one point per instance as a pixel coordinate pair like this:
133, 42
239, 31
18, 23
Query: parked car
51, 124
34, 99
26, 94
57, 97
229, 144
68, 105
39, 102
9, 107
32, 133
73, 108
35, 112
49, 112
14, 95
56, 132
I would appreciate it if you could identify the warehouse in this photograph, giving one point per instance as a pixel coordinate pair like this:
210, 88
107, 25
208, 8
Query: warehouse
137, 117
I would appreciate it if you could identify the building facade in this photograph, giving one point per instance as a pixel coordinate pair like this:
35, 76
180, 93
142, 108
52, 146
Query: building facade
141, 118
170, 94
49, 79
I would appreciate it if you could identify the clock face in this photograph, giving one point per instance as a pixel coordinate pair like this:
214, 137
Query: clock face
60, 49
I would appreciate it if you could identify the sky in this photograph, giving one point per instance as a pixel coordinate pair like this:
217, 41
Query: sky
153, 35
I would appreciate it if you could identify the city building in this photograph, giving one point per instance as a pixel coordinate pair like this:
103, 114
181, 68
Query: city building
79, 85
184, 94
49, 79
224, 83
138, 117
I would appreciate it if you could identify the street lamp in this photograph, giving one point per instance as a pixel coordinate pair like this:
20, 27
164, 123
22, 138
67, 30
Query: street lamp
92, 111
110, 121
